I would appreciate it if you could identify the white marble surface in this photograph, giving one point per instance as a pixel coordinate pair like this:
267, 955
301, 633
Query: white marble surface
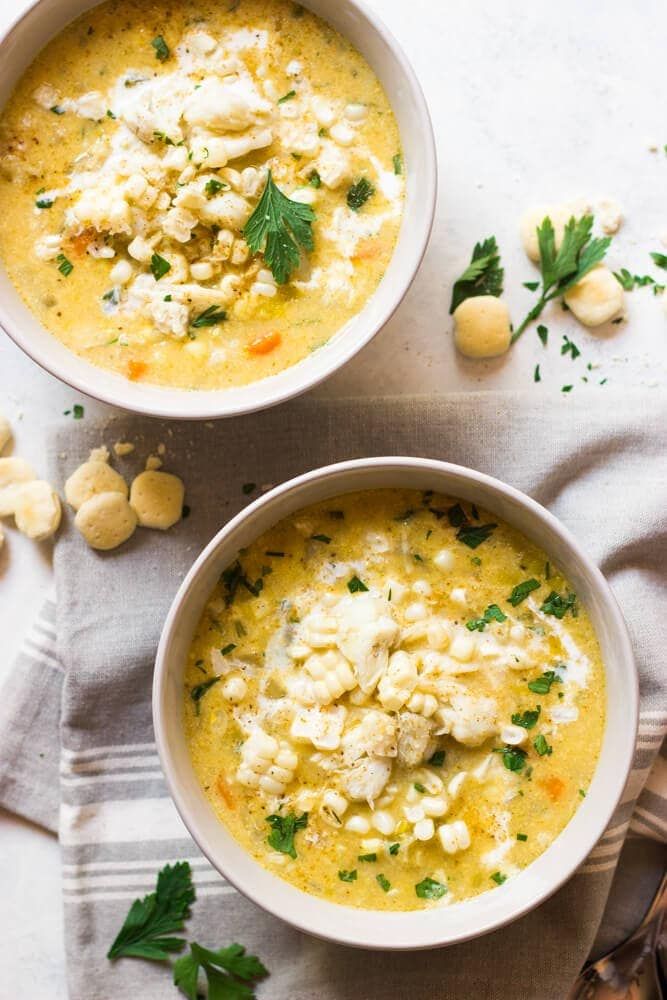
531, 102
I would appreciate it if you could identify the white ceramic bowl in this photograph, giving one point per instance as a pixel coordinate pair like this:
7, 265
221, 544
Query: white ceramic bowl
46, 18
373, 928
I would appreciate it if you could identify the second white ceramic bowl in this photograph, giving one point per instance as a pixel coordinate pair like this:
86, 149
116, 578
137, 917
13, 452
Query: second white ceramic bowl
43, 20
440, 925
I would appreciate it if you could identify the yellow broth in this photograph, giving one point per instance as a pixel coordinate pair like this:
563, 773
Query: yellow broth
432, 566
44, 149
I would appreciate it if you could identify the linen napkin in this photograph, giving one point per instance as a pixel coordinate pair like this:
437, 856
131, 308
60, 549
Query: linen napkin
598, 462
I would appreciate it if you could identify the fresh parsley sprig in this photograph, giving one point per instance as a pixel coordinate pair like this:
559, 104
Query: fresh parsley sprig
483, 275
279, 227
561, 269
228, 972
150, 921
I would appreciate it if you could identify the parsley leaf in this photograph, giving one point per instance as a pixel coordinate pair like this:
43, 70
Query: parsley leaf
279, 226
209, 317
314, 179
559, 606
474, 535
483, 275
77, 411
367, 857
356, 586
492, 614
522, 590
536, 374
287, 97
359, 193
660, 260
579, 253
437, 759
397, 161
283, 829
542, 684
569, 347
456, 516
161, 48
150, 920
213, 185
44, 202
514, 758
526, 719
229, 648
498, 878
227, 970
542, 746
159, 266
394, 849
428, 888
383, 882
543, 333
321, 538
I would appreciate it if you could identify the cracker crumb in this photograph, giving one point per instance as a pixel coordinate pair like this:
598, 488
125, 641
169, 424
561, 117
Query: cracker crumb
123, 448
153, 463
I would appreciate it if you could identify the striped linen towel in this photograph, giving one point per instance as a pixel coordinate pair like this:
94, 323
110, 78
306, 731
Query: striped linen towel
76, 743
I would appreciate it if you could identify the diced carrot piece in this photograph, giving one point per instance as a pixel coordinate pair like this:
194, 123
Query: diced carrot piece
136, 369
554, 787
77, 245
367, 248
225, 792
264, 344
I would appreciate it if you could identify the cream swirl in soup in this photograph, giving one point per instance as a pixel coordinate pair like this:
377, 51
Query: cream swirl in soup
394, 700
199, 195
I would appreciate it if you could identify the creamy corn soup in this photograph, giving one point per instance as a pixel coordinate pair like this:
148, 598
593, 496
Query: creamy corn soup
198, 194
394, 701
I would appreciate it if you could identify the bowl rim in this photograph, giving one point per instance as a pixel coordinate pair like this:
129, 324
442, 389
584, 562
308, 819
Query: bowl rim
166, 401
413, 940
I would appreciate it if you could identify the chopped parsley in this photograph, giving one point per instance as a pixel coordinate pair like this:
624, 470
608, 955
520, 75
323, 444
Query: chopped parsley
44, 202
437, 759
275, 554
314, 179
473, 535
522, 590
660, 260
213, 185
394, 849
77, 411
629, 281
498, 878
522, 837
199, 690
527, 719
356, 586
65, 266
541, 746
561, 269
234, 577
283, 830
483, 275
582, 793
514, 758
457, 516
536, 374
57, 110
492, 614
346, 876
229, 648
397, 161
569, 347
279, 227
567, 388
367, 857
161, 48
418, 787
321, 538
287, 97
159, 266
542, 331
383, 882
542, 685
428, 888
532, 286
209, 317
559, 606
359, 193
247, 489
